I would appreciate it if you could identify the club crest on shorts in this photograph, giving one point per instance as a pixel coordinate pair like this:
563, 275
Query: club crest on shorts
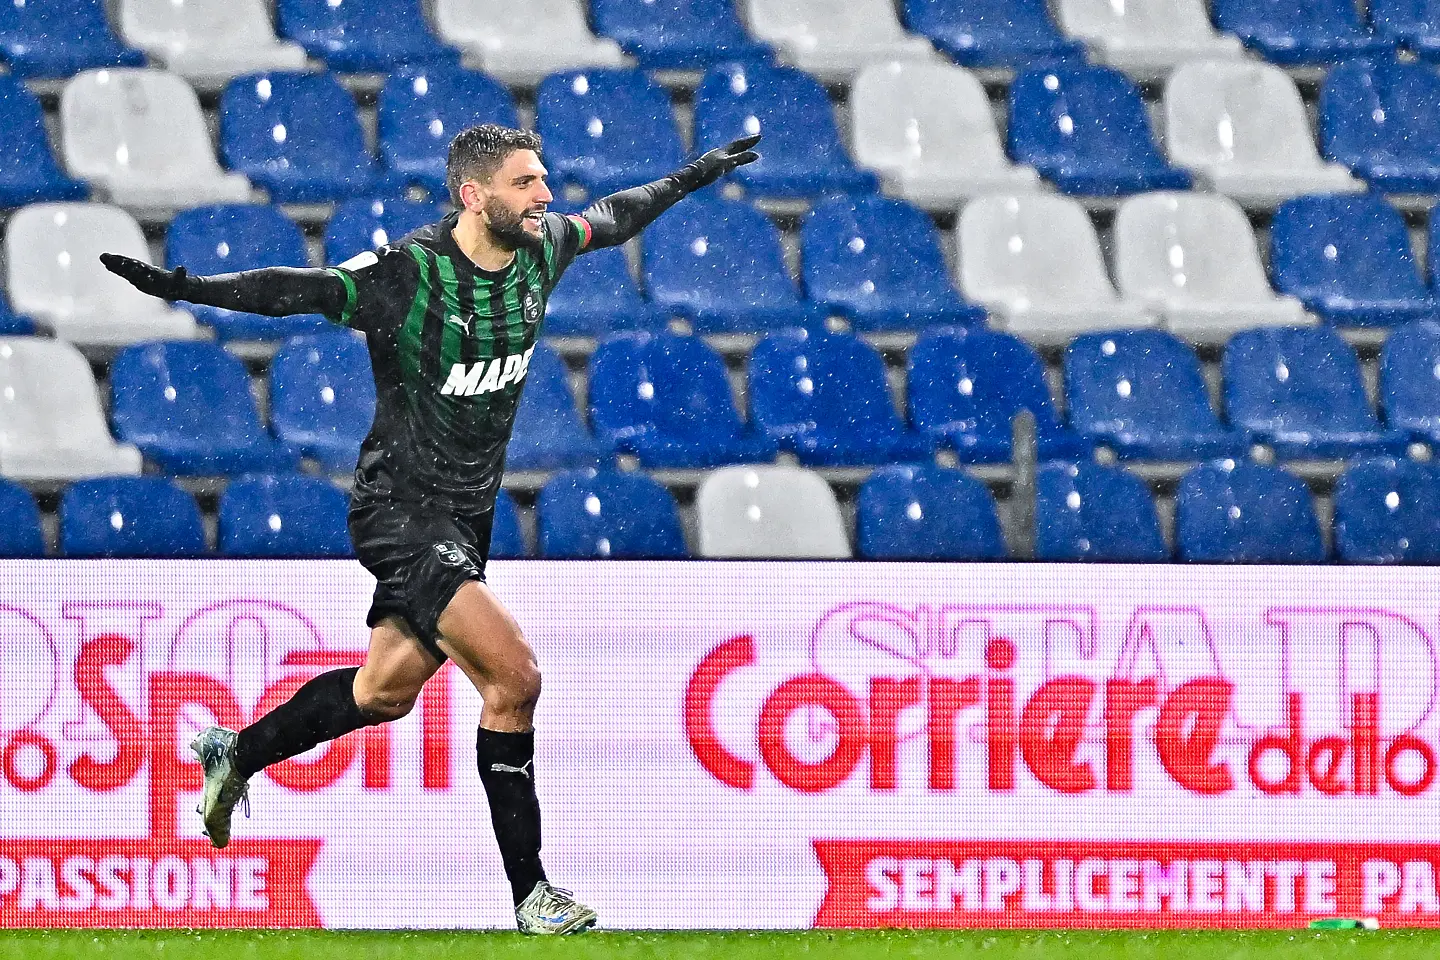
450, 554
531, 306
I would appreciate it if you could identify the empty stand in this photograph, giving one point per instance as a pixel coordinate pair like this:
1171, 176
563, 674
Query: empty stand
1084, 511
360, 225
1410, 380
677, 34
20, 532
833, 39
1286, 32
289, 515
1388, 511
769, 513
1414, 24
501, 37
130, 517
926, 513
1146, 38
606, 130
322, 397
1380, 119
421, 109
506, 537
993, 33
208, 41
28, 171
597, 295
1240, 512
549, 433
59, 38
593, 515
360, 36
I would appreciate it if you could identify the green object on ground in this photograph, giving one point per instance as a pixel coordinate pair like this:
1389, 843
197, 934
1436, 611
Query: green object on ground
1342, 923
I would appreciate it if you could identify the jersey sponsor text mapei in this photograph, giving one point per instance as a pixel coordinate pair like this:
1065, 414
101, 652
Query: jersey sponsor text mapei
487, 376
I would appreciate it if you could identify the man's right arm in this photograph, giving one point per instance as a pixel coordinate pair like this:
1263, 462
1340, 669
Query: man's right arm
271, 291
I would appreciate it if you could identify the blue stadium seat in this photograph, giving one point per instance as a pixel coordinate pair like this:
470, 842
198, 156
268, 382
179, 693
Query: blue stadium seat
823, 396
878, 261
993, 33
360, 225
803, 156
667, 400
1289, 32
1347, 257
1414, 24
59, 38
13, 324
361, 36
289, 515
592, 515
1232, 511
187, 406
1086, 129
1410, 380
1388, 511
1141, 393
597, 296
129, 517
20, 531
234, 237
720, 263
1380, 120
507, 540
29, 172
606, 130
421, 110
298, 136
1084, 511
549, 434
676, 34
1300, 391
965, 388
926, 513
322, 397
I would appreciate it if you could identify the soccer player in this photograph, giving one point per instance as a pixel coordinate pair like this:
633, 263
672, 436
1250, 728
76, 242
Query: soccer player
451, 314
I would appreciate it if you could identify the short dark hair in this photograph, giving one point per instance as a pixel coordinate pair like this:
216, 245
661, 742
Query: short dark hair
477, 152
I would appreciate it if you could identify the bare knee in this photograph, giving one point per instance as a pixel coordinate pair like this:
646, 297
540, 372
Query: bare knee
514, 690
384, 698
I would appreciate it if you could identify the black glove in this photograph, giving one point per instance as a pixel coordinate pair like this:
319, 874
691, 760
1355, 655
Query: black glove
717, 163
165, 284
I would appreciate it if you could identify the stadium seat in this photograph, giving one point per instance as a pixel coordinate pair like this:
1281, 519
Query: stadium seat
59, 38
993, 33
322, 397
360, 225
507, 540
362, 36
1146, 38
1084, 511
1086, 129
21, 535
597, 296
421, 109
1347, 257
803, 156
927, 130
1388, 511
833, 39
52, 426
592, 515
823, 396
549, 433
1034, 262
139, 136
232, 238
1232, 511
1414, 24
666, 399
52, 258
1380, 119
298, 136
130, 517
1242, 130
1141, 393
926, 513
783, 513
965, 388
501, 37
878, 261
288, 515
1410, 380
1301, 392
1288, 33
1192, 258
676, 34
188, 407
720, 264
606, 130
13, 324
208, 41
28, 171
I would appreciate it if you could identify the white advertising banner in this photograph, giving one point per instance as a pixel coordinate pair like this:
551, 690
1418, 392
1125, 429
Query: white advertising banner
746, 745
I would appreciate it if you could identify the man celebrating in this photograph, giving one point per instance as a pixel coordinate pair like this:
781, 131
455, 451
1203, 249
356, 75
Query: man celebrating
451, 314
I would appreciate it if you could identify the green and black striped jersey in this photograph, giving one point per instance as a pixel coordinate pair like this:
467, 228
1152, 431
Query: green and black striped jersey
450, 347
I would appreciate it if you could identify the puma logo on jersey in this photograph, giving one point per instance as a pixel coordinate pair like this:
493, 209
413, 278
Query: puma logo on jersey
487, 376
462, 322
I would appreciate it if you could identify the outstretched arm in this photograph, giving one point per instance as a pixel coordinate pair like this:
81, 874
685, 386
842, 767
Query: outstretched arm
271, 292
620, 216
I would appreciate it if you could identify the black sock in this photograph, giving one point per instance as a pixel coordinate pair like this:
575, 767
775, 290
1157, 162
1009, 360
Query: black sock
507, 768
323, 709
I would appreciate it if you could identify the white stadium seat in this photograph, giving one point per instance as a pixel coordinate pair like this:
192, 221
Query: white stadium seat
1146, 38
1192, 257
834, 39
769, 512
1034, 261
502, 38
1241, 128
927, 130
208, 41
54, 274
139, 135
51, 424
